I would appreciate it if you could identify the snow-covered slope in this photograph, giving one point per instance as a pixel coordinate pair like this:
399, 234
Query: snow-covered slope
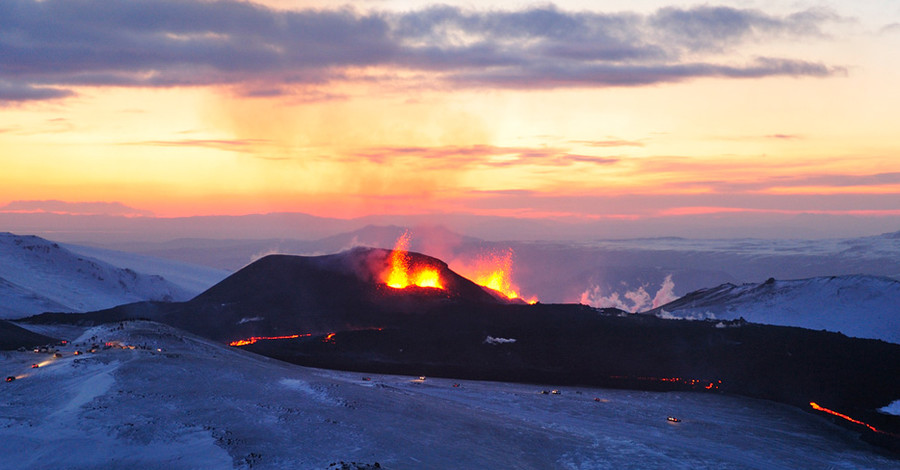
191, 277
858, 306
37, 275
181, 402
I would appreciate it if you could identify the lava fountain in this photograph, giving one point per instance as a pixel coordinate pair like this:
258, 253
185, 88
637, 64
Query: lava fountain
494, 271
402, 273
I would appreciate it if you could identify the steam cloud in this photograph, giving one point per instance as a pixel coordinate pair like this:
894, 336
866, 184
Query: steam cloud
631, 301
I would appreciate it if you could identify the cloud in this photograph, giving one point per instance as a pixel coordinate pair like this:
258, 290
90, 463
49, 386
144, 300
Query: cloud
19, 92
624, 75
892, 28
609, 143
705, 28
232, 145
52, 46
452, 156
74, 208
814, 180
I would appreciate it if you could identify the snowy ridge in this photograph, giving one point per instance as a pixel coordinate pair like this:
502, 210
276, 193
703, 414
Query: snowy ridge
859, 306
37, 275
194, 278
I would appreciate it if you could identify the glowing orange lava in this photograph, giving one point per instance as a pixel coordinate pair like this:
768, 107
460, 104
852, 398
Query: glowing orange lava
401, 274
816, 406
494, 271
251, 340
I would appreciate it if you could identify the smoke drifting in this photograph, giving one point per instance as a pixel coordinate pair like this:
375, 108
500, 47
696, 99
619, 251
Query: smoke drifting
631, 301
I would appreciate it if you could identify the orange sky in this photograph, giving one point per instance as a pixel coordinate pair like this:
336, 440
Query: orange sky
583, 109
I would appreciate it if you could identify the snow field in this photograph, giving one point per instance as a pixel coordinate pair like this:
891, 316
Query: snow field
178, 401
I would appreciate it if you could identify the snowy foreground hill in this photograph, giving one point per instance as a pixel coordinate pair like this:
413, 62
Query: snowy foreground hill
858, 306
37, 275
177, 401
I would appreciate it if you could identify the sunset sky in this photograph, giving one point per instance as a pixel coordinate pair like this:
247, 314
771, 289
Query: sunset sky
598, 110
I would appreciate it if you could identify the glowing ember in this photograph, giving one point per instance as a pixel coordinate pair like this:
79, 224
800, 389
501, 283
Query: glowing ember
402, 274
251, 340
494, 271
816, 406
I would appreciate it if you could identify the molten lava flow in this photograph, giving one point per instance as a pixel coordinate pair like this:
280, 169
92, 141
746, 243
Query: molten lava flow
253, 339
494, 271
816, 406
402, 273
692, 383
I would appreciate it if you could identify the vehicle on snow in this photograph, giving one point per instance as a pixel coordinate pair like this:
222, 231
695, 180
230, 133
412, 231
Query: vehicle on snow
10, 378
673, 419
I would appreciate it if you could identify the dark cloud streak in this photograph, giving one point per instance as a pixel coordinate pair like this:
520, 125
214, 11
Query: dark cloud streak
50, 46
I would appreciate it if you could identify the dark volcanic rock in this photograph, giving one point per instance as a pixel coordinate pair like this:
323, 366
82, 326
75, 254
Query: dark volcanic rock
14, 337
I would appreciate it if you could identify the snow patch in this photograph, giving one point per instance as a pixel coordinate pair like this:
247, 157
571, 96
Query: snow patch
305, 388
892, 409
89, 389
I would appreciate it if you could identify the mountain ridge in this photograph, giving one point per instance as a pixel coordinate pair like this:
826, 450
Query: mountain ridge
862, 306
36, 273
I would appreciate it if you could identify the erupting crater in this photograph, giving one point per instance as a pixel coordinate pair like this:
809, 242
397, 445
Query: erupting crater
494, 271
402, 273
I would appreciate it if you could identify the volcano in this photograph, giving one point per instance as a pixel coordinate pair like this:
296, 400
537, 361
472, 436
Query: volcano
338, 311
281, 295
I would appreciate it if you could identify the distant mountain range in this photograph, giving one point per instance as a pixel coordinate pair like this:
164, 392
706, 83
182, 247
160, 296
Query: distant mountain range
37, 275
858, 306
113, 227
